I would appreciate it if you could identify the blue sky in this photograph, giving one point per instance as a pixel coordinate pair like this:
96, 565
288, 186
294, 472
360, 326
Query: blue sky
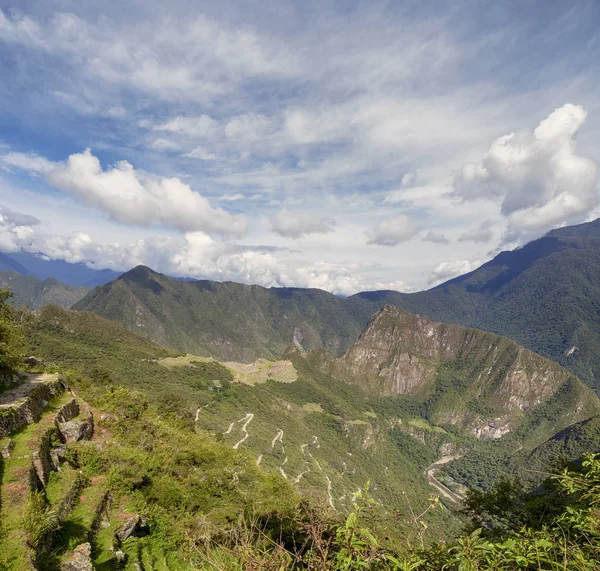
340, 145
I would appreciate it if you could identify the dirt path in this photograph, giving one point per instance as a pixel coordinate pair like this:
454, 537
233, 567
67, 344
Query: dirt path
445, 491
246, 420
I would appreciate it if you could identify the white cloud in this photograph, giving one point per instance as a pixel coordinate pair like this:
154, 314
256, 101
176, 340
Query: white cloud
194, 254
202, 126
449, 270
538, 175
393, 231
232, 197
164, 145
136, 198
201, 153
482, 234
298, 223
436, 238
192, 58
30, 162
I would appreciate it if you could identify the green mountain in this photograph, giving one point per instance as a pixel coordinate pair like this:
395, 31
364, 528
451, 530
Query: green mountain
164, 460
407, 392
34, 293
227, 320
545, 296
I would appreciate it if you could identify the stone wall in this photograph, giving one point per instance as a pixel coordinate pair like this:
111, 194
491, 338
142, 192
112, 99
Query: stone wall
28, 409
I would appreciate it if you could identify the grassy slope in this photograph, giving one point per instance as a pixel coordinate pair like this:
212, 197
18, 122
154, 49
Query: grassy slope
360, 436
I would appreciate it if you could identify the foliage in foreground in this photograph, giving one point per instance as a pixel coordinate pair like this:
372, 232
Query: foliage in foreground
567, 537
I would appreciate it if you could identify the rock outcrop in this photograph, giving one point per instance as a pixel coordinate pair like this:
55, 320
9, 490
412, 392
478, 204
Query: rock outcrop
80, 559
466, 377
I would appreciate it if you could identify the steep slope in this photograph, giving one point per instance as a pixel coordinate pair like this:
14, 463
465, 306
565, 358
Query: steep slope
545, 296
317, 433
34, 293
7, 264
226, 320
462, 378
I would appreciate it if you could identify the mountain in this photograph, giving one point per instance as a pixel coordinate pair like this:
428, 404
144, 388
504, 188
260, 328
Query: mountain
329, 424
545, 296
227, 320
468, 379
72, 274
34, 293
7, 264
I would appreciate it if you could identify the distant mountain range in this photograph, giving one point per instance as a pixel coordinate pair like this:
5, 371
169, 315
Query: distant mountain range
70, 274
545, 296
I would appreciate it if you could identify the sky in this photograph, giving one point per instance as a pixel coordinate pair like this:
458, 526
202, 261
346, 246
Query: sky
342, 145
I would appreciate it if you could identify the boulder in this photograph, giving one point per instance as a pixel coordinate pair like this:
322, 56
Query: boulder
80, 559
129, 528
7, 449
77, 429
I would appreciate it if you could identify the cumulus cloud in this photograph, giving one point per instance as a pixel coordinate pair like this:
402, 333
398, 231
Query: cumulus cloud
393, 231
436, 238
482, 234
298, 223
537, 175
449, 270
132, 197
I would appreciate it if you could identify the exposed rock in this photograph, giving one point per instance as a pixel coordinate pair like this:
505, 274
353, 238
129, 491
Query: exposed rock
42, 458
32, 361
121, 558
129, 528
68, 411
78, 429
58, 454
467, 371
7, 449
80, 559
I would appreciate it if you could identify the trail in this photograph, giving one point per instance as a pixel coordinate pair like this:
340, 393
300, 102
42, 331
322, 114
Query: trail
198, 412
278, 438
281, 470
246, 420
303, 448
445, 491
229, 429
329, 492
259, 460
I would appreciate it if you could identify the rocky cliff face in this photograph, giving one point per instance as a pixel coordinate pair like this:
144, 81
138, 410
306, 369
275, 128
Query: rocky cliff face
466, 377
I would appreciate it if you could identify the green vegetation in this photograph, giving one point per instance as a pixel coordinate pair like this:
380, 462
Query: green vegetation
12, 342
